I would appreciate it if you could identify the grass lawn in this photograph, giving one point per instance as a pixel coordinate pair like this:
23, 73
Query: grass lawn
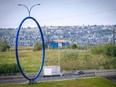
83, 82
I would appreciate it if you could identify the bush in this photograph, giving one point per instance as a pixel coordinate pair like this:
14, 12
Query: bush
110, 50
8, 69
37, 46
97, 50
107, 49
4, 46
73, 46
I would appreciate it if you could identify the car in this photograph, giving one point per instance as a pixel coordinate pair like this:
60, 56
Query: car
81, 72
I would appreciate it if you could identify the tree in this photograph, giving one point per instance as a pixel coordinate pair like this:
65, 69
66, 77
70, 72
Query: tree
73, 46
4, 46
37, 46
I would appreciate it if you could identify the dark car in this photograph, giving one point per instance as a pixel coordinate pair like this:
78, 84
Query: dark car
81, 72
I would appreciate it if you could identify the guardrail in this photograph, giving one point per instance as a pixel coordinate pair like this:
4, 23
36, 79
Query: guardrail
92, 72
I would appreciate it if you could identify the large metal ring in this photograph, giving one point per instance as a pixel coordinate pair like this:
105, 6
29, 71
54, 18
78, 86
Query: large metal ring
16, 49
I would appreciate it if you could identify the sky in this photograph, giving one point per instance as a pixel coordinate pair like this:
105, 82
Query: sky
58, 12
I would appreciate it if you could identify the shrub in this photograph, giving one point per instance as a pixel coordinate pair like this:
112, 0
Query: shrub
8, 69
37, 46
97, 50
107, 49
4, 46
110, 50
73, 46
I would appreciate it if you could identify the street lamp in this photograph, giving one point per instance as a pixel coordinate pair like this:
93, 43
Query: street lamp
29, 10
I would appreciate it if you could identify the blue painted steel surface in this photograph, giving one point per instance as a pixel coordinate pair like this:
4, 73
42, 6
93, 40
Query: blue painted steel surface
16, 49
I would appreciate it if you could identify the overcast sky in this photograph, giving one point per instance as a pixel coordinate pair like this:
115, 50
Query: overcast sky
58, 12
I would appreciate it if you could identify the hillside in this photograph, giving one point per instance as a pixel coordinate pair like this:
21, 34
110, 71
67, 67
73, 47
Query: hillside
82, 35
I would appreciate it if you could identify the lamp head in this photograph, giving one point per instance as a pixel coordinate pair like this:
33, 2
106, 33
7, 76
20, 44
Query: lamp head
19, 4
38, 4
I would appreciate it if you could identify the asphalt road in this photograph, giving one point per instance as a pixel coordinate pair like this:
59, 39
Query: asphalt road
39, 79
17, 79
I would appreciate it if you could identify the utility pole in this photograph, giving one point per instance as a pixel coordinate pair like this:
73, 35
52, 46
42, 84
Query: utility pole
58, 55
47, 38
113, 34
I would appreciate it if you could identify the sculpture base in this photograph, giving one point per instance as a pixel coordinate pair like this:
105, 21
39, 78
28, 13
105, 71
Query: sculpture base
31, 82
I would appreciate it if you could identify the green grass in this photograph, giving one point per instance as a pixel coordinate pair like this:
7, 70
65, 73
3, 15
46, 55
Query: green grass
30, 60
70, 59
83, 82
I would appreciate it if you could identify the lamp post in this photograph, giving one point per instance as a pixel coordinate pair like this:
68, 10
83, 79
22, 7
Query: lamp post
29, 10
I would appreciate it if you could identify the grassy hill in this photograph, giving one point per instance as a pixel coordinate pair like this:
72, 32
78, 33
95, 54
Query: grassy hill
83, 82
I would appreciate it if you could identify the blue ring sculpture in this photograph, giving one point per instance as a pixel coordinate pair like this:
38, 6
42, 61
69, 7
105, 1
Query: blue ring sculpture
16, 49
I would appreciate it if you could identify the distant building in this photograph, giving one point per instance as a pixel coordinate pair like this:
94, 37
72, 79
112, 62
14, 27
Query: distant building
58, 43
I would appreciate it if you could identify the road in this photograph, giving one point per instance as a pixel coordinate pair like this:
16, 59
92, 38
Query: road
16, 79
40, 79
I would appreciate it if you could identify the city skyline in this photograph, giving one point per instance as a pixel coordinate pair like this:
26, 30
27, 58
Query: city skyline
58, 12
